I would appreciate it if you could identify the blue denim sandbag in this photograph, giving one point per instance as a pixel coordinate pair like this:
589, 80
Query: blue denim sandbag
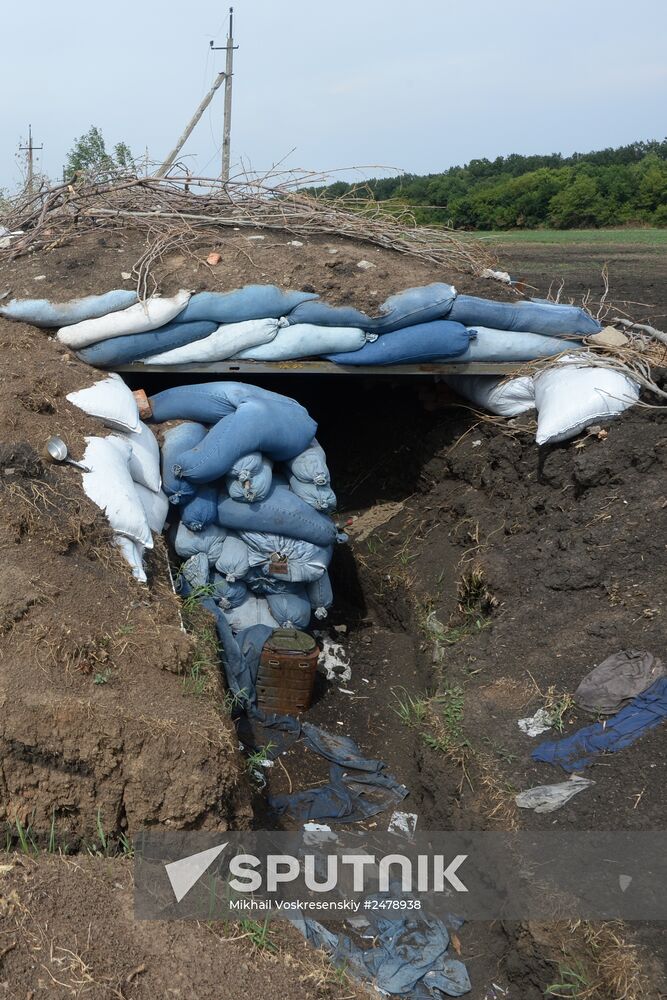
249, 302
228, 594
249, 479
281, 513
41, 312
201, 510
188, 543
320, 497
140, 346
426, 342
291, 609
311, 465
546, 318
278, 429
177, 440
233, 561
208, 402
514, 345
407, 308
320, 595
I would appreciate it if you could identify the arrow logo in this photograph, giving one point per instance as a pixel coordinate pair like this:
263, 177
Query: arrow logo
185, 873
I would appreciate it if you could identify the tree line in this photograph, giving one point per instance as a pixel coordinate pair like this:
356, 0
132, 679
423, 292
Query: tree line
608, 187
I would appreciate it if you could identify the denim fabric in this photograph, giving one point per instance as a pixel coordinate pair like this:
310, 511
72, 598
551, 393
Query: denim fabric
177, 440
188, 543
233, 561
320, 595
311, 465
516, 345
305, 340
547, 319
288, 559
201, 510
282, 513
139, 346
250, 302
248, 482
426, 342
41, 312
407, 308
209, 401
228, 595
320, 497
290, 609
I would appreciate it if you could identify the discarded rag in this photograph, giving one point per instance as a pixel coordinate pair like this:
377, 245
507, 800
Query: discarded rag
618, 679
548, 798
408, 956
622, 730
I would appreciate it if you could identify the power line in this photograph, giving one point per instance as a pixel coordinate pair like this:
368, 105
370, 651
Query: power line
30, 150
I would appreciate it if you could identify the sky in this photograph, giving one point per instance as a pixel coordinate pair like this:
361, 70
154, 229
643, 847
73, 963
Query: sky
369, 85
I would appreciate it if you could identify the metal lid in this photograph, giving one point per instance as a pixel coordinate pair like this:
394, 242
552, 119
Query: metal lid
290, 640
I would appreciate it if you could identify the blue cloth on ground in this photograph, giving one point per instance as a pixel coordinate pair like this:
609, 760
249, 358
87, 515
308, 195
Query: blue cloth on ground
408, 955
580, 749
176, 440
137, 346
406, 308
426, 342
348, 798
514, 345
282, 513
200, 510
547, 318
41, 312
249, 302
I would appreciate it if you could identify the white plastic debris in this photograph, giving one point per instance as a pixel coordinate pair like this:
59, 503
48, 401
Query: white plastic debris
548, 798
333, 661
536, 724
402, 823
365, 265
503, 276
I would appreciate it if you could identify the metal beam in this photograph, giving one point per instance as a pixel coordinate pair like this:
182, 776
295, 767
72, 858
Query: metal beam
325, 368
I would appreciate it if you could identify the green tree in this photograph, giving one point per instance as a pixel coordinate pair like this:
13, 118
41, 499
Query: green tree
89, 157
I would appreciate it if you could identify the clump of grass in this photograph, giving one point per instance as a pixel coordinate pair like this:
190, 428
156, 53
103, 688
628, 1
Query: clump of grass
410, 710
475, 603
259, 935
572, 983
103, 676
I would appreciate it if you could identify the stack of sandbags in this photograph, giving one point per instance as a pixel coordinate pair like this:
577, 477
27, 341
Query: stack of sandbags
124, 469
251, 490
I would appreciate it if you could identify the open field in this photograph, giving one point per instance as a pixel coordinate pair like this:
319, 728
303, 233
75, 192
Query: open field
582, 237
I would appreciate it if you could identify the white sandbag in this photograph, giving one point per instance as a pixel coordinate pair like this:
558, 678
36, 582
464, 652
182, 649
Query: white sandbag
155, 504
253, 611
145, 458
111, 401
223, 343
132, 554
110, 486
305, 341
234, 559
572, 395
139, 318
209, 540
505, 397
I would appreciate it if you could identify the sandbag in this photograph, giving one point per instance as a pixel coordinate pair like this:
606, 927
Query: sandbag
145, 458
200, 510
228, 594
132, 554
505, 397
110, 487
111, 401
549, 319
41, 312
407, 308
249, 302
142, 316
195, 571
234, 559
291, 610
320, 595
289, 559
225, 342
320, 497
175, 441
155, 505
513, 345
208, 402
279, 428
426, 342
140, 346
259, 581
311, 465
209, 541
573, 395
253, 611
247, 482
307, 341
281, 513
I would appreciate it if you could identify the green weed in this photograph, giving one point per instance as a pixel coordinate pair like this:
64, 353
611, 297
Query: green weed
411, 711
573, 983
259, 934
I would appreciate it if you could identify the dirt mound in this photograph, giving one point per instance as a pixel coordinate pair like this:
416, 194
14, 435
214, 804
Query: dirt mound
101, 720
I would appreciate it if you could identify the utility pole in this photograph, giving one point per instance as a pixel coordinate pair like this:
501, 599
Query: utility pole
30, 149
228, 74
190, 126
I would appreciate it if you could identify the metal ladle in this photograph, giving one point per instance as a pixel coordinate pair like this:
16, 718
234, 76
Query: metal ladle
56, 449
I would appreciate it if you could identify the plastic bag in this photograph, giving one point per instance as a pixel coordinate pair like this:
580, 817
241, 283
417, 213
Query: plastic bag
505, 397
133, 555
41, 312
572, 395
138, 346
249, 479
200, 510
210, 541
145, 458
175, 441
426, 342
225, 342
155, 505
290, 609
142, 316
311, 465
546, 318
111, 401
289, 559
307, 341
321, 498
281, 513
249, 302
234, 559
320, 595
109, 485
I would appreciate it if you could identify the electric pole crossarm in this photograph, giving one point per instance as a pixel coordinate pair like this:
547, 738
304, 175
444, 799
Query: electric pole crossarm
190, 126
229, 73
